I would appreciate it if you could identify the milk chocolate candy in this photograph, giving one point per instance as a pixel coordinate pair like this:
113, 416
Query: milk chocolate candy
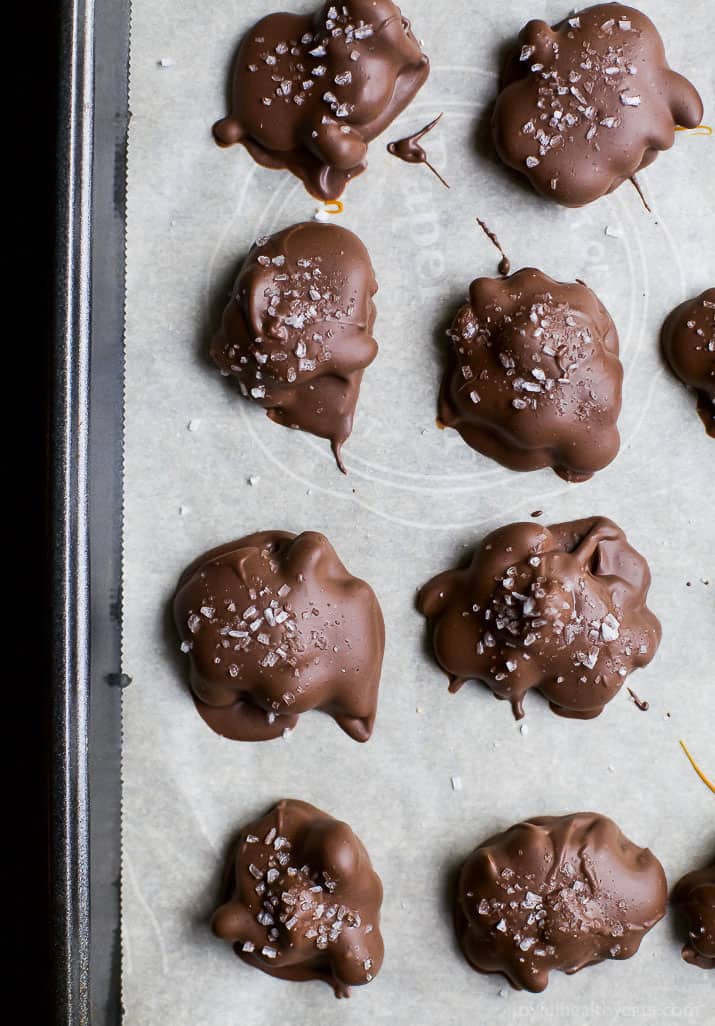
561, 609
273, 625
533, 377
556, 892
296, 334
694, 895
311, 91
586, 104
688, 340
301, 900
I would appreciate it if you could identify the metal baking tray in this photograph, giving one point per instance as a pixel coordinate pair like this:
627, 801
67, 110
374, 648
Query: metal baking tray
86, 508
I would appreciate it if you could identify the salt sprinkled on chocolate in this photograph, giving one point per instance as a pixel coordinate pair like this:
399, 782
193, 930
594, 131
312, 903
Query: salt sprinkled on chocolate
559, 609
311, 91
296, 334
302, 901
556, 893
588, 103
274, 625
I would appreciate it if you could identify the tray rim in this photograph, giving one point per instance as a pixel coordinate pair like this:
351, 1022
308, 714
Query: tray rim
85, 493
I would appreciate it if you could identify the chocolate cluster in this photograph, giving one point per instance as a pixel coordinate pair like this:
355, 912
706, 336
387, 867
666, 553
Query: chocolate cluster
556, 892
533, 377
301, 900
311, 91
586, 104
274, 625
561, 609
296, 334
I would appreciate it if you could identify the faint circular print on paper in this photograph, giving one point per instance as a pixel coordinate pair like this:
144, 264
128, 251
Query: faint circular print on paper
426, 248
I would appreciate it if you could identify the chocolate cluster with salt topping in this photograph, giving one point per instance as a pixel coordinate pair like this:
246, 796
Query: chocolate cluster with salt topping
311, 91
694, 895
296, 334
302, 901
561, 609
556, 892
688, 340
273, 625
533, 377
588, 103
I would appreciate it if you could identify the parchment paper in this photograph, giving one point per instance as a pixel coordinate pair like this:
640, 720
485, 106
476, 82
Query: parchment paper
415, 500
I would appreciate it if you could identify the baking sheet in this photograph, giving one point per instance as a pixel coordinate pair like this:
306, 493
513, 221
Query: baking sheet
416, 499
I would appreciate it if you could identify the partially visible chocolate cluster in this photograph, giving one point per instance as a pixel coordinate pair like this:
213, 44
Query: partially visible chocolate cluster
695, 896
688, 340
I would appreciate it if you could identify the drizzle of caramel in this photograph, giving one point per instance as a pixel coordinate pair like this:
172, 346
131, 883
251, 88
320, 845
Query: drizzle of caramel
695, 766
334, 206
698, 130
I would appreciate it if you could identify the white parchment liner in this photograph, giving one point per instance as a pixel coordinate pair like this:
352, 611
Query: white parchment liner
415, 500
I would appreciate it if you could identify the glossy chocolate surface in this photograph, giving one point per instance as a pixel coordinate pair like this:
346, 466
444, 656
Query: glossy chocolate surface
302, 901
556, 893
588, 103
561, 609
274, 625
311, 91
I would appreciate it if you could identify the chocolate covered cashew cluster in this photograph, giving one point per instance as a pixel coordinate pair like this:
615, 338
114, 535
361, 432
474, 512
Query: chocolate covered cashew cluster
588, 103
296, 334
560, 609
302, 901
274, 625
556, 893
311, 91
533, 377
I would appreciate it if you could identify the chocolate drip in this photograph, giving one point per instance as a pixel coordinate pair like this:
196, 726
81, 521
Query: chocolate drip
409, 149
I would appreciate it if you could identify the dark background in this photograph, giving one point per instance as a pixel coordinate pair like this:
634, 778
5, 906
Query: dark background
37, 49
